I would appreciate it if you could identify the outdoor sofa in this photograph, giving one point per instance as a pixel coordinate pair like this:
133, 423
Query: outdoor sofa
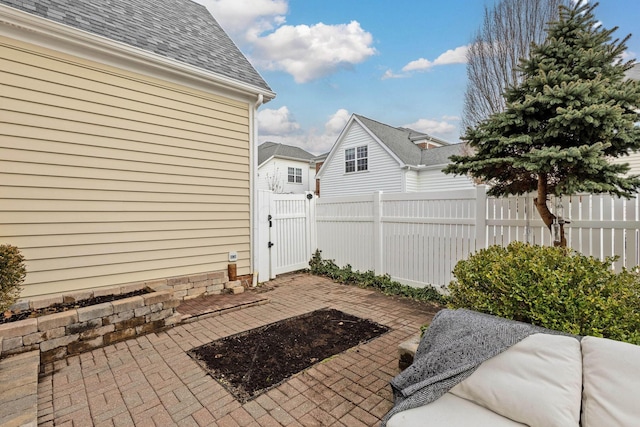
475, 370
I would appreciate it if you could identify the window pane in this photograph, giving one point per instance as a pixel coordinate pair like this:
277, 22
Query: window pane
362, 151
362, 164
299, 175
350, 154
290, 175
350, 166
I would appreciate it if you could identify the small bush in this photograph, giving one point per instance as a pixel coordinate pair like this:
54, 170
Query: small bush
12, 274
385, 284
550, 287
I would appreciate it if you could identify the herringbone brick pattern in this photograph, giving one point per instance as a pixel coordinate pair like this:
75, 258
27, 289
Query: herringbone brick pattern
151, 381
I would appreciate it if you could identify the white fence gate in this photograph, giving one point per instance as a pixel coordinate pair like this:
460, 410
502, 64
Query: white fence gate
286, 233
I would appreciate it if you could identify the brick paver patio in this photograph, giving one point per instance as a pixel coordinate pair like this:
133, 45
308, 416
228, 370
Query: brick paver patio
151, 381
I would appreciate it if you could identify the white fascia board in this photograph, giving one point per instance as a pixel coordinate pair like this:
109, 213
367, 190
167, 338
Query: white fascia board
43, 32
426, 168
265, 162
331, 154
382, 144
335, 147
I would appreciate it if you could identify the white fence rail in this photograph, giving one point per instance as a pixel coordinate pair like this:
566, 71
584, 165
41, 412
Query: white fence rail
417, 238
413, 237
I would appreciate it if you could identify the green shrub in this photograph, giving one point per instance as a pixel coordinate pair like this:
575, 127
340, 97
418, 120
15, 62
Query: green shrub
384, 283
12, 274
551, 287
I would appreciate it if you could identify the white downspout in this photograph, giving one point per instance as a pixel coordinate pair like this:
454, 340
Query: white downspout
253, 189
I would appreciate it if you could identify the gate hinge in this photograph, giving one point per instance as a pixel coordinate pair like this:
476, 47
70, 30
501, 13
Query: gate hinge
269, 218
270, 245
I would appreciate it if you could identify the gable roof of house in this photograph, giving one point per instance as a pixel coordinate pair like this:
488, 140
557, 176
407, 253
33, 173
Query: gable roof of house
397, 140
267, 150
177, 29
401, 142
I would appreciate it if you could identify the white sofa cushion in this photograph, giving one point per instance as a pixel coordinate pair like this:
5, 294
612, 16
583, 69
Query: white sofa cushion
611, 371
450, 411
537, 382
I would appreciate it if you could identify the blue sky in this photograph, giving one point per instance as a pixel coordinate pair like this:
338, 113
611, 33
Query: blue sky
400, 62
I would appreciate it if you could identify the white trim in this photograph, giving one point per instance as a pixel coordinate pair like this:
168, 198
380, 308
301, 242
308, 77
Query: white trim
33, 29
338, 142
297, 159
384, 146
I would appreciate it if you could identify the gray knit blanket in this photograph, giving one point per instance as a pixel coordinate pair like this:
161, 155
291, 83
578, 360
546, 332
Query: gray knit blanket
454, 345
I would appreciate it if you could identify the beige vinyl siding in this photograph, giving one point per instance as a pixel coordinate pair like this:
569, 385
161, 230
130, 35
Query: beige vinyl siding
108, 177
383, 174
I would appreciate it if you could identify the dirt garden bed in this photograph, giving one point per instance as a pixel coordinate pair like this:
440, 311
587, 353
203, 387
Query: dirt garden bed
10, 316
252, 362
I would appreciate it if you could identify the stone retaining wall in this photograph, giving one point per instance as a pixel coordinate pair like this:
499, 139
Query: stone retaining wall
59, 335
188, 287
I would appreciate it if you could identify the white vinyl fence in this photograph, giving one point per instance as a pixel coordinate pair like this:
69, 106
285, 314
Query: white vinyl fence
417, 238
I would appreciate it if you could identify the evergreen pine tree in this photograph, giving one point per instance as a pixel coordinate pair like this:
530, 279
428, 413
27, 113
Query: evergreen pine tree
572, 113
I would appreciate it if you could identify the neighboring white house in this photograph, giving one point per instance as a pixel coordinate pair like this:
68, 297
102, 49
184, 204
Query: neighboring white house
371, 156
285, 169
634, 158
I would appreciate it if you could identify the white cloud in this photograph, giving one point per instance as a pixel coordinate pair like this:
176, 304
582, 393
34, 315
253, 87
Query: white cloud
307, 52
278, 126
451, 56
627, 55
246, 19
311, 52
337, 122
276, 122
439, 128
389, 74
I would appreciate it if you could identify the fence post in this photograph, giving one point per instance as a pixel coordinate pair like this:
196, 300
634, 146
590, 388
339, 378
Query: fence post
378, 246
310, 218
481, 217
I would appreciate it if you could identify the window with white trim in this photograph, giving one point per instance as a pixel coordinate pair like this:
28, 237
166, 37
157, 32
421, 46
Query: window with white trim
356, 159
294, 175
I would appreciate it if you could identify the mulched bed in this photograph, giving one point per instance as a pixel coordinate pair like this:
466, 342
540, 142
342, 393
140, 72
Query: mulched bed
58, 308
252, 362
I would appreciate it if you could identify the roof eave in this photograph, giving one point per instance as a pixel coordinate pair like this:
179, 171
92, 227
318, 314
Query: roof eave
41, 31
277, 156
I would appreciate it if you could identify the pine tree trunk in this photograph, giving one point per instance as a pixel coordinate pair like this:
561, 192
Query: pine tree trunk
541, 205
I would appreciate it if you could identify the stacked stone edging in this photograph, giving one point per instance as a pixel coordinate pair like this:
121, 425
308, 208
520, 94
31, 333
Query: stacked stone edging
71, 332
189, 287
75, 331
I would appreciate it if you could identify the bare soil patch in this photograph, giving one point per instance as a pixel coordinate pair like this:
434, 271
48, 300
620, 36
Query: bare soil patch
252, 362
58, 308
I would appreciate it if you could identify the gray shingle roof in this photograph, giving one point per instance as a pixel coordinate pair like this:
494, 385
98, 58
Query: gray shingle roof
399, 141
266, 150
178, 29
440, 155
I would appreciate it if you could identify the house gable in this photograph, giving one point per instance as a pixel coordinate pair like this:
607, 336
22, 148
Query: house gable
383, 172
